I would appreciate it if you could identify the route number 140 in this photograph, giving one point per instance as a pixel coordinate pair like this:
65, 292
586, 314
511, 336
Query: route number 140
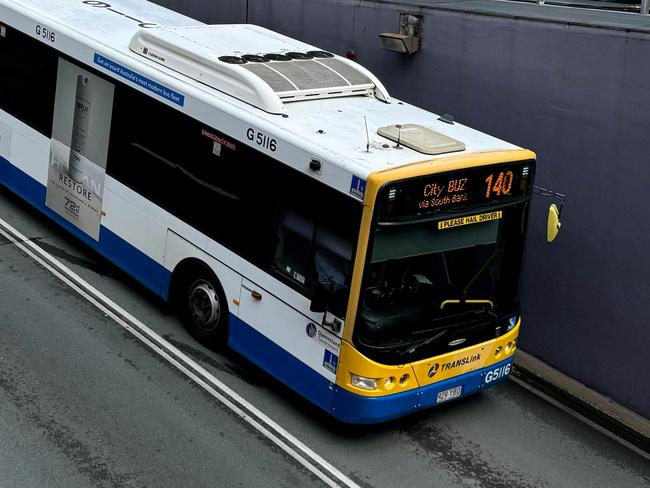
501, 185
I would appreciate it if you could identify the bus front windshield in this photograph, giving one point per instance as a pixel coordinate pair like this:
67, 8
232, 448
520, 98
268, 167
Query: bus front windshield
446, 283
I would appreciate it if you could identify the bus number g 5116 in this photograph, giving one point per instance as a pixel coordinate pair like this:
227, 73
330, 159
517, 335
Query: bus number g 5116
498, 373
261, 139
45, 33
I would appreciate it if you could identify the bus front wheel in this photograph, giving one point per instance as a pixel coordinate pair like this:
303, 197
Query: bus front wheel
204, 309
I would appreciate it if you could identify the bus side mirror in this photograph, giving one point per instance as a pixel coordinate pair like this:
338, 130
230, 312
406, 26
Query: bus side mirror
322, 296
553, 223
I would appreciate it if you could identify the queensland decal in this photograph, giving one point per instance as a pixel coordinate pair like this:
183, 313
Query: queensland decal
79, 148
311, 329
327, 340
470, 219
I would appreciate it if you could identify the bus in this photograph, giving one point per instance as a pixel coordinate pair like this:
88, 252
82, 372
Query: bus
363, 251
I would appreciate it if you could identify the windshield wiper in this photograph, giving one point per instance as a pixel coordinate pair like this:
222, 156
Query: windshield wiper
425, 342
455, 319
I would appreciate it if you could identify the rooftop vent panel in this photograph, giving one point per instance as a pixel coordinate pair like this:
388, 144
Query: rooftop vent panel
271, 77
309, 75
226, 58
352, 75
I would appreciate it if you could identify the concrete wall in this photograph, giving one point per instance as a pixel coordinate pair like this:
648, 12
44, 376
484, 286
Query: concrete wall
577, 95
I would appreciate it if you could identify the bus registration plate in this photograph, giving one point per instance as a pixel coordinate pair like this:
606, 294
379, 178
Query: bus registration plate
449, 394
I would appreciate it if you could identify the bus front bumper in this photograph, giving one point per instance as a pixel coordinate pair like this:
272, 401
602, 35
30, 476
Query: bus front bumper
356, 409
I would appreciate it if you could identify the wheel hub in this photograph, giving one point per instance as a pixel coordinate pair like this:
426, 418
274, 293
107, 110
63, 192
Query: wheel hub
204, 305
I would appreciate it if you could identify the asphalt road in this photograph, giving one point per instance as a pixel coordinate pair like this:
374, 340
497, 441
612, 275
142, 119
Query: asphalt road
84, 403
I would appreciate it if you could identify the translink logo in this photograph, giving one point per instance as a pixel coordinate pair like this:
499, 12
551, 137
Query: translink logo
452, 364
433, 370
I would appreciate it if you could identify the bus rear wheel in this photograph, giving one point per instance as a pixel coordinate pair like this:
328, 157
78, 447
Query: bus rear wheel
203, 308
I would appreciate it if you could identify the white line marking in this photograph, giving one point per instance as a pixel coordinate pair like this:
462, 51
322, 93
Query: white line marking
248, 412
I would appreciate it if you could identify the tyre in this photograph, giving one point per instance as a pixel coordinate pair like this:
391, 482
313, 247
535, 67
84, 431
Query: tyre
203, 308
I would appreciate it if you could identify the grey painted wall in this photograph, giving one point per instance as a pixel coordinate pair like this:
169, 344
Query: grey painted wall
580, 97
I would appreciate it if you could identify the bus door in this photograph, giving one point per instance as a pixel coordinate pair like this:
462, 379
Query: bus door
289, 344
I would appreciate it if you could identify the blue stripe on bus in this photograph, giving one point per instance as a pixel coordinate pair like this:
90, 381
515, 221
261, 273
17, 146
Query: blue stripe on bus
144, 269
283, 365
357, 409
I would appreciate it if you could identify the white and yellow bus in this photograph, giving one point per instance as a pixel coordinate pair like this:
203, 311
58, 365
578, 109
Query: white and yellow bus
361, 250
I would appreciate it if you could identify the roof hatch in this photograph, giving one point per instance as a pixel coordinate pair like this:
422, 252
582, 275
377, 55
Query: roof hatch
228, 58
421, 139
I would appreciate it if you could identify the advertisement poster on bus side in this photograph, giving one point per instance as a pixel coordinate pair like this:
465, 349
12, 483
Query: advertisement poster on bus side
79, 148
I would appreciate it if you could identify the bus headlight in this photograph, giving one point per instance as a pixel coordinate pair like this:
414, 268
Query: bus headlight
363, 382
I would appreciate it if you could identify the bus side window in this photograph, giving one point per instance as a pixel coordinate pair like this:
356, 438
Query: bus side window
333, 263
294, 247
333, 258
307, 253
28, 79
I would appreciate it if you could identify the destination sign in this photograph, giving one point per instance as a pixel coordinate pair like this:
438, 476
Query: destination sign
432, 194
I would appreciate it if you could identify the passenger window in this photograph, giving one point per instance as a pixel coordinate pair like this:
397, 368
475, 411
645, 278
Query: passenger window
307, 253
294, 247
28, 79
333, 258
